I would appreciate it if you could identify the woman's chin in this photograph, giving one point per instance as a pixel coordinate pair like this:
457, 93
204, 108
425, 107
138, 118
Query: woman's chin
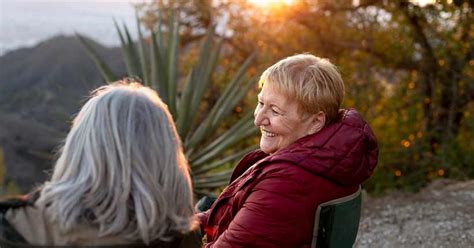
266, 149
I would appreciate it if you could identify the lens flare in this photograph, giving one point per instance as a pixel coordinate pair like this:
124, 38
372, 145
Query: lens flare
269, 3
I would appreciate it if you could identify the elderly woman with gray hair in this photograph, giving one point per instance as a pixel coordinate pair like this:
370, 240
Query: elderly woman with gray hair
310, 152
121, 179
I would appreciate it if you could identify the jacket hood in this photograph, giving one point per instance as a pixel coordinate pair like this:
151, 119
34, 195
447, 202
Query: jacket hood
345, 152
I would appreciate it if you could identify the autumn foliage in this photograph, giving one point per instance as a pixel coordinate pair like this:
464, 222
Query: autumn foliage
408, 67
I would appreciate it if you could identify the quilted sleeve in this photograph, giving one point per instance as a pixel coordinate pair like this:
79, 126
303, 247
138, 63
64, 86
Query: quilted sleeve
202, 218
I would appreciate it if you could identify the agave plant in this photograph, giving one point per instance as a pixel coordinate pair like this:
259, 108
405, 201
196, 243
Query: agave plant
157, 65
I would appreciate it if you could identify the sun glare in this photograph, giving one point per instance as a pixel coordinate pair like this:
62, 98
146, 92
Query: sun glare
270, 3
423, 2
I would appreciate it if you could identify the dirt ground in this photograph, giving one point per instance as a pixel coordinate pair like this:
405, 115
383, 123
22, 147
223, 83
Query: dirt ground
441, 215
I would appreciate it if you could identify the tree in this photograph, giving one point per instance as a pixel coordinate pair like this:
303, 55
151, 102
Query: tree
432, 46
408, 68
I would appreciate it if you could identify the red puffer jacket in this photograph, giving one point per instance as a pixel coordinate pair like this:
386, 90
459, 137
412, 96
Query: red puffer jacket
271, 201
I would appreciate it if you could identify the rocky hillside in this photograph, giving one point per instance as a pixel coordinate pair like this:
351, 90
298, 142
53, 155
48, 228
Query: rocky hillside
40, 89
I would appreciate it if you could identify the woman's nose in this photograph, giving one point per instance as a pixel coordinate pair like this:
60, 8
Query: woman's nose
260, 117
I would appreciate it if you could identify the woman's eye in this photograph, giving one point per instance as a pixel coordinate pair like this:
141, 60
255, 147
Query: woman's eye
275, 112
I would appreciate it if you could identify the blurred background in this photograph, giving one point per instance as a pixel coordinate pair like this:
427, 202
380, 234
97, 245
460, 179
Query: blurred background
25, 23
408, 67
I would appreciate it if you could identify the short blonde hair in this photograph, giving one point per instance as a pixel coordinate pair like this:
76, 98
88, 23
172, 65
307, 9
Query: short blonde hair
123, 163
315, 83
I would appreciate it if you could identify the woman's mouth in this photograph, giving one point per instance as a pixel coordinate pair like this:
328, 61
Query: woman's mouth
267, 133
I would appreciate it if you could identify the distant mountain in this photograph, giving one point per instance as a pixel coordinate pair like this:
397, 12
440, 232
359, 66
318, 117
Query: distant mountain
40, 89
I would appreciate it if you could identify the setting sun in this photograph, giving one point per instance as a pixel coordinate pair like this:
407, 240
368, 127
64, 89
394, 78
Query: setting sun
270, 3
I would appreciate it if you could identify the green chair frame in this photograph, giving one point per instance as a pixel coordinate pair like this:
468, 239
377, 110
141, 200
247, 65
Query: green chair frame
336, 222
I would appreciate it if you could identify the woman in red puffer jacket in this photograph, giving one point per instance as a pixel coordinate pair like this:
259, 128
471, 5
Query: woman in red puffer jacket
310, 152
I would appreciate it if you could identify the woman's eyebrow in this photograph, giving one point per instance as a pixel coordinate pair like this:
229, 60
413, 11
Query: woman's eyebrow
271, 104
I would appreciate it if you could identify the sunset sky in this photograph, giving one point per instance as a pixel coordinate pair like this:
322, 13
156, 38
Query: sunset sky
24, 23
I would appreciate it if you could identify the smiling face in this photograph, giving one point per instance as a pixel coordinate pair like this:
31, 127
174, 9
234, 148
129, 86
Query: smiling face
280, 121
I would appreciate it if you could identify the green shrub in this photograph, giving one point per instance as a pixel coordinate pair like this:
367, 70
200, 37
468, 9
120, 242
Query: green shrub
210, 147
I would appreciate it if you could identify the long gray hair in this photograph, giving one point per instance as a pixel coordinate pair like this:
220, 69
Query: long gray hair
122, 163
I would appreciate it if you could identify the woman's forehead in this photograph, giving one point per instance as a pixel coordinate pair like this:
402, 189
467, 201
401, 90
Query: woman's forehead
273, 95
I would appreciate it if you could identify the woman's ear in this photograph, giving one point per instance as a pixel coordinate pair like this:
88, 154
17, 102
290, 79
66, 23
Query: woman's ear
318, 121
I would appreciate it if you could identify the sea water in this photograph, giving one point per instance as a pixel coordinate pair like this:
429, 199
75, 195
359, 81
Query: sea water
25, 23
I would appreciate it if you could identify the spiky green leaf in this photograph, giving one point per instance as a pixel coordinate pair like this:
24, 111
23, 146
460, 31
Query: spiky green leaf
105, 71
172, 61
143, 56
226, 102
216, 164
242, 129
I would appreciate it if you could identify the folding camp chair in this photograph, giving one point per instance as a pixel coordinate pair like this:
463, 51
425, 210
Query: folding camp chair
336, 222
